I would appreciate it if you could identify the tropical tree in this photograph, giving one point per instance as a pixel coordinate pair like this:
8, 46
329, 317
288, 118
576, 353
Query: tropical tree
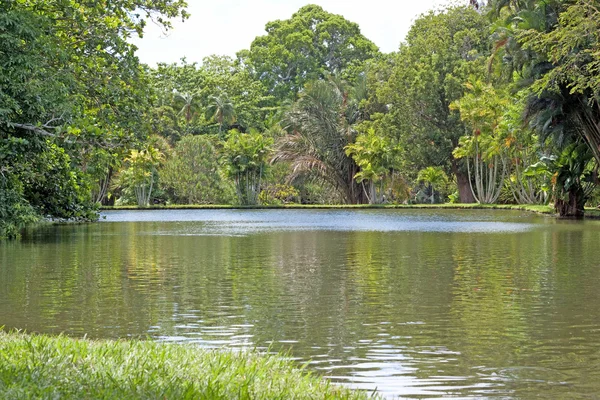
482, 109
193, 174
176, 109
375, 156
69, 84
305, 47
434, 177
574, 177
189, 106
164, 120
523, 149
321, 125
246, 160
140, 174
217, 76
442, 50
558, 46
225, 77
100, 165
569, 88
221, 110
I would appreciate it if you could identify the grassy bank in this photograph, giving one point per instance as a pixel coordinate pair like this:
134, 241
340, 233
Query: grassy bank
43, 367
532, 208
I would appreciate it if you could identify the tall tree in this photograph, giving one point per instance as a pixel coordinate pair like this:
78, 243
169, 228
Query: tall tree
441, 51
189, 106
322, 125
208, 82
376, 158
561, 44
140, 174
482, 109
303, 48
434, 177
221, 109
69, 84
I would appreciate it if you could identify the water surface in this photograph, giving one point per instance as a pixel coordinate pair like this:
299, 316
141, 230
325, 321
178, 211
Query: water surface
414, 303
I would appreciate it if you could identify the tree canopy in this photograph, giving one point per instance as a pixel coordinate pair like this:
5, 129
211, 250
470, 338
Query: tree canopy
70, 86
441, 51
303, 48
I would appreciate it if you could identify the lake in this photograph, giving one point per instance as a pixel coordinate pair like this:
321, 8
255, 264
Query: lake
413, 303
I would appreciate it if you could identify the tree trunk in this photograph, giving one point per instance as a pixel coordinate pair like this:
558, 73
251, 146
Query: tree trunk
361, 196
462, 181
570, 208
374, 199
103, 186
355, 192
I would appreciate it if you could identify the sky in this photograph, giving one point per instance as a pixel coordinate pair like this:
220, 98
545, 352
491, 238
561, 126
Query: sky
224, 27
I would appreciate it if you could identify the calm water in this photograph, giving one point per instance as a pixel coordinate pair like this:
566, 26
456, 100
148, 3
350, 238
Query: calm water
415, 303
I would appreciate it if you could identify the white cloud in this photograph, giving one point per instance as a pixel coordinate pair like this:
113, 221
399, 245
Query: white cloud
227, 26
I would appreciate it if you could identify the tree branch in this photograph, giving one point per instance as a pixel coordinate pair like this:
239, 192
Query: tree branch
33, 128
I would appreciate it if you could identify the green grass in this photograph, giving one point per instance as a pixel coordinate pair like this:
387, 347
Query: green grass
44, 367
592, 213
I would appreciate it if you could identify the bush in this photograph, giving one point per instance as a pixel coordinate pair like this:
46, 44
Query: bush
15, 211
279, 194
192, 174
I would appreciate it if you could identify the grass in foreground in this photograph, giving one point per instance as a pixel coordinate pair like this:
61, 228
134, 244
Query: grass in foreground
43, 367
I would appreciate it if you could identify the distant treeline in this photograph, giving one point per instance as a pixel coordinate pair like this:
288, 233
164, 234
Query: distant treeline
495, 103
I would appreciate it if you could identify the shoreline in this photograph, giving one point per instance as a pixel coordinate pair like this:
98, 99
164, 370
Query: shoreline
590, 213
539, 209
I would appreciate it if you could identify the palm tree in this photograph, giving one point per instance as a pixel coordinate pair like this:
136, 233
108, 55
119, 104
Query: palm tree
563, 105
321, 125
221, 110
434, 176
189, 105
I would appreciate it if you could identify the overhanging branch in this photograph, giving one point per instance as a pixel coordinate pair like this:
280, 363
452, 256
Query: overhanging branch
33, 128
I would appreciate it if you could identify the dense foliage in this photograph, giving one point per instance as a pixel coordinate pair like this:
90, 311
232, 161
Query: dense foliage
305, 48
71, 89
481, 103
